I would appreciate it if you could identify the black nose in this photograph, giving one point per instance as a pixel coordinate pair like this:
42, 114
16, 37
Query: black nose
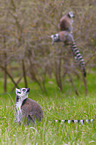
28, 90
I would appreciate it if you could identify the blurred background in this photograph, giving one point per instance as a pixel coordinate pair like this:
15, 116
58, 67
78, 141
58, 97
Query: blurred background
26, 51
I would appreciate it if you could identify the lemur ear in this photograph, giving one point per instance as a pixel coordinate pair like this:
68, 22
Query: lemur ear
17, 90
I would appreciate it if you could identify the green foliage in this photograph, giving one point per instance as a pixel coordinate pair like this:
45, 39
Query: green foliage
55, 105
44, 132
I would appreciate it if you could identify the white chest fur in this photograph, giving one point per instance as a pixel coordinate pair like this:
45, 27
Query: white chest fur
18, 105
18, 110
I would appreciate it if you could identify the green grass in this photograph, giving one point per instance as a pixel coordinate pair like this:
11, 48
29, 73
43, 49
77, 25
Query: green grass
55, 105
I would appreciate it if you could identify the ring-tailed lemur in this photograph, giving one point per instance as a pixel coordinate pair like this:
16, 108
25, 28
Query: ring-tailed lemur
68, 39
26, 108
31, 110
66, 22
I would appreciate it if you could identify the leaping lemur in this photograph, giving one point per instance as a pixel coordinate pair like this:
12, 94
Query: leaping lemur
68, 39
66, 22
27, 108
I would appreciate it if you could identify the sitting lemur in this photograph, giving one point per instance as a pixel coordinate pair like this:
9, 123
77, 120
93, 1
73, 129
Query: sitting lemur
27, 108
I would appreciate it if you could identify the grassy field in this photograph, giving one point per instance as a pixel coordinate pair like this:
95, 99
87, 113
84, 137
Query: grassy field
55, 105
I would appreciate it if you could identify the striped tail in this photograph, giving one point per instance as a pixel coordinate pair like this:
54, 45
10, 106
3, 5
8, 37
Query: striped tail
73, 121
78, 57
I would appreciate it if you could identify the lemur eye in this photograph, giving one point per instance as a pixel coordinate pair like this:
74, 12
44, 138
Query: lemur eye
24, 90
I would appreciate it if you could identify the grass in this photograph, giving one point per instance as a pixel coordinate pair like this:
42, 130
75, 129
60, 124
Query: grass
55, 105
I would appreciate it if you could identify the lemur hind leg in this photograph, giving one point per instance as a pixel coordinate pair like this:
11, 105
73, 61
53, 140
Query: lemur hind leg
30, 119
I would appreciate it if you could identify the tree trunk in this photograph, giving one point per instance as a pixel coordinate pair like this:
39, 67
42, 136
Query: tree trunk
24, 73
5, 75
58, 74
85, 84
9, 76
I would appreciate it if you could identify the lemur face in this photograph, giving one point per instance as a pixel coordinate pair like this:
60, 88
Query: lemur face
55, 38
22, 92
71, 15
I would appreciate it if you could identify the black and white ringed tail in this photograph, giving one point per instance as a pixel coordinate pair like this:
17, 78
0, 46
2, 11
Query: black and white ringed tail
73, 121
78, 57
